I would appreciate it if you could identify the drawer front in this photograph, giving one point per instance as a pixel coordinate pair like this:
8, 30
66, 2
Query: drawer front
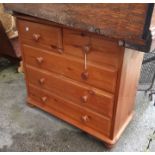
102, 51
41, 36
96, 100
101, 77
83, 116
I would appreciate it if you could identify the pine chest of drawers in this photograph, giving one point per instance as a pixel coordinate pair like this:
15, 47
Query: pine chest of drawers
80, 77
83, 78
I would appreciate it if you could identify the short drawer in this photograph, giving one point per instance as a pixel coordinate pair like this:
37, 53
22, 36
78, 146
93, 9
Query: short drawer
102, 77
40, 35
86, 96
84, 117
102, 51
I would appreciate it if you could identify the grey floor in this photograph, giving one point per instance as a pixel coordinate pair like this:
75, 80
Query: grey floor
29, 129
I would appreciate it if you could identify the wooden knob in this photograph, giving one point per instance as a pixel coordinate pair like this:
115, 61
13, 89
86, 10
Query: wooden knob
85, 75
39, 59
85, 118
36, 37
42, 81
86, 49
84, 98
44, 99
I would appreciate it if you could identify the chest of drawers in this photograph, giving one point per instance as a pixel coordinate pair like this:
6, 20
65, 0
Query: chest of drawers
82, 61
84, 79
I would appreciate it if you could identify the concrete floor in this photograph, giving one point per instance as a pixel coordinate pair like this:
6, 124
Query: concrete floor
29, 129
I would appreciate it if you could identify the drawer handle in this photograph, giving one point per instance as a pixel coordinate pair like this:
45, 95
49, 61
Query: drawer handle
85, 75
85, 118
60, 50
84, 98
42, 81
44, 99
86, 49
39, 59
36, 37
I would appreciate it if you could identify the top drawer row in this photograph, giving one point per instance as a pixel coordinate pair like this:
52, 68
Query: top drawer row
62, 40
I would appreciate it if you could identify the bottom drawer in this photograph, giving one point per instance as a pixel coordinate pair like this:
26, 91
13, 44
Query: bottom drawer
83, 117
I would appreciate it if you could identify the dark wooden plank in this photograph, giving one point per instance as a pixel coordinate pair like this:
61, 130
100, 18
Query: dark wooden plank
125, 22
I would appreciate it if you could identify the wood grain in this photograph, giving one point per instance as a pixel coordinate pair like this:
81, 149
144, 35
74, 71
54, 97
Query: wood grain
127, 87
101, 105
75, 112
96, 100
103, 77
102, 50
125, 22
49, 37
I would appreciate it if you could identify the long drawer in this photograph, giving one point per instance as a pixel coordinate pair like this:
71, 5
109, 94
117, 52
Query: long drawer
101, 77
84, 117
86, 96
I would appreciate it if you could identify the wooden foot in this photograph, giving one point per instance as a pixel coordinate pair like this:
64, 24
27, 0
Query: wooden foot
109, 146
30, 105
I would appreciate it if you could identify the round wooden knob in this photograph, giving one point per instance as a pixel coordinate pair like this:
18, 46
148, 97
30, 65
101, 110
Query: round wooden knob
42, 81
39, 59
84, 98
44, 99
85, 118
85, 75
36, 37
86, 49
